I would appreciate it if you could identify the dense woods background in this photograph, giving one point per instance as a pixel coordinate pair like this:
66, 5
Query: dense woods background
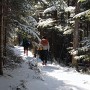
65, 23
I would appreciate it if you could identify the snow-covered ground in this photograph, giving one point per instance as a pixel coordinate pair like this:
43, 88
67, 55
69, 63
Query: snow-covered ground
51, 76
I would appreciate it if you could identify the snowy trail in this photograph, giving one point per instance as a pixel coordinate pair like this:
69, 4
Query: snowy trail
55, 77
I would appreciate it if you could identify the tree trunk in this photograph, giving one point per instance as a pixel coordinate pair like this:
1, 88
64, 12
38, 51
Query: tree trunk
1, 37
75, 35
5, 20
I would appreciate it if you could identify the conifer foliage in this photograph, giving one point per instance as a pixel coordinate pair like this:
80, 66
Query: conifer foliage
65, 23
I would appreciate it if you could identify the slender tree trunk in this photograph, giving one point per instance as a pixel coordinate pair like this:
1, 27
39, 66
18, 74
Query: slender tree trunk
75, 35
68, 2
5, 8
1, 37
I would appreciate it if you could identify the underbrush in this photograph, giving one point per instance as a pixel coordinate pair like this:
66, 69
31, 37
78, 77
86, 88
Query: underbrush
11, 60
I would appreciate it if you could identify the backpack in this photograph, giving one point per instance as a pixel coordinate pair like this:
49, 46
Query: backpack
29, 43
44, 42
26, 42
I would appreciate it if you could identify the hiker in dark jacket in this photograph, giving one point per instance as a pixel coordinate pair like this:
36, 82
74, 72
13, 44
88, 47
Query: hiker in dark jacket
26, 46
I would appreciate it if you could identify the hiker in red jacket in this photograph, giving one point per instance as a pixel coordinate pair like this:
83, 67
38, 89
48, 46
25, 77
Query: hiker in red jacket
45, 48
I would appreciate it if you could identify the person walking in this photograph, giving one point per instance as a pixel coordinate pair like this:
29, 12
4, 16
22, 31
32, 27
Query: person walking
45, 49
26, 46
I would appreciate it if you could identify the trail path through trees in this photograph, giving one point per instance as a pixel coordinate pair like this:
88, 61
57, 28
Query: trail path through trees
50, 77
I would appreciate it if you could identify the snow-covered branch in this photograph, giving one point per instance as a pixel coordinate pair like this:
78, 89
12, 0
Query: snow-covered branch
27, 29
81, 14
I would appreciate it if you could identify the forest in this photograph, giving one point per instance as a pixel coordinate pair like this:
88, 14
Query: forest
66, 23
